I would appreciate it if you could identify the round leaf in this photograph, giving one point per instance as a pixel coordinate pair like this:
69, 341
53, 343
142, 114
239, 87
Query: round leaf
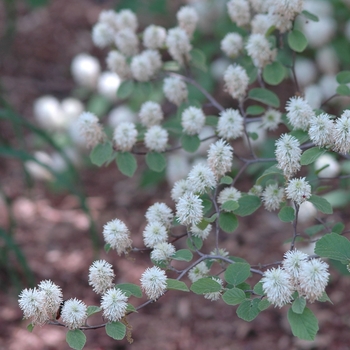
334, 246
297, 40
311, 155
228, 222
126, 163
156, 161
248, 309
343, 90
286, 214
343, 77
305, 325
76, 339
321, 204
233, 296
130, 289
265, 96
183, 255
274, 73
255, 110
116, 330
101, 153
125, 89
247, 205
190, 143
205, 285
237, 273
176, 285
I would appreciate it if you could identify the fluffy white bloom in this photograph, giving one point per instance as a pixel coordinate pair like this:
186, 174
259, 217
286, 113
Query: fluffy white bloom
154, 58
72, 108
90, 129
220, 157
162, 251
189, 209
329, 164
126, 19
153, 282
187, 18
155, 232
260, 51
256, 190
102, 35
239, 12
192, 120
271, 118
179, 45
229, 194
341, 133
141, 68
199, 271
109, 17
292, 262
156, 138
220, 252
232, 44
298, 190
117, 235
260, 6
52, 296
114, 304
127, 42
313, 279
125, 136
202, 234
287, 8
288, 154
31, 302
175, 90
160, 212
74, 313
260, 23
120, 114
230, 124
108, 84
101, 275
299, 113
85, 70
236, 81
277, 286
214, 296
179, 189
272, 197
117, 63
150, 113
201, 178
154, 37
321, 130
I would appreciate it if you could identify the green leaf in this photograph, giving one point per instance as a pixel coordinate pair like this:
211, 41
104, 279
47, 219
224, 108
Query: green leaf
255, 110
116, 330
248, 205
126, 163
30, 327
311, 155
98, 105
298, 305
305, 325
93, 310
237, 273
286, 214
297, 40
203, 224
171, 66
230, 206
343, 90
183, 255
101, 153
228, 222
156, 161
205, 285
198, 60
343, 77
321, 204
263, 304
212, 218
176, 285
272, 171
312, 230
190, 143
248, 310
324, 297
76, 339
338, 228
125, 89
300, 135
196, 245
233, 296
226, 180
265, 96
130, 308
207, 205
211, 120
107, 247
310, 16
130, 289
334, 246
274, 73
258, 289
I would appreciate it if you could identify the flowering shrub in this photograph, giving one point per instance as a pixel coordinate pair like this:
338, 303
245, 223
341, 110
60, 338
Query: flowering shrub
206, 201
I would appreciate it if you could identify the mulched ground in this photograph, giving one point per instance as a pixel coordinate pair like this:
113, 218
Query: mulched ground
52, 230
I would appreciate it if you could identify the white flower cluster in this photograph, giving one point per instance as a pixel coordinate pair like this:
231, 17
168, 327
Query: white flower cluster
309, 277
101, 275
236, 81
90, 129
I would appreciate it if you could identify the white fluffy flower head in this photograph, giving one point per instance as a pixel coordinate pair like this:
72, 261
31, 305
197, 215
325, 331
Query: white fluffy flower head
101, 275
125, 136
74, 313
230, 124
271, 118
187, 18
277, 286
199, 271
160, 212
341, 133
102, 35
321, 130
299, 113
179, 46
232, 44
117, 235
162, 251
288, 154
292, 262
127, 19
220, 157
114, 304
272, 197
214, 296
239, 12
192, 120
189, 209
153, 282
175, 90
141, 68
155, 232
116, 62
179, 189
150, 113
52, 296
260, 23
156, 138
201, 178
127, 42
31, 302
236, 81
298, 190
229, 194
90, 129
202, 234
154, 37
